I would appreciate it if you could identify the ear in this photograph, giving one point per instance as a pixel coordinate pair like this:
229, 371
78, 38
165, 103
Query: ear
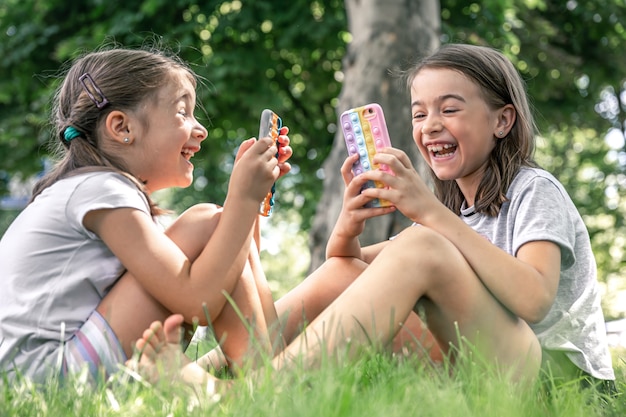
506, 118
117, 127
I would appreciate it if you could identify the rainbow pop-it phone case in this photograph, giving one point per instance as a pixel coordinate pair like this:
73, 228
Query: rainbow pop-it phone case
269, 125
365, 131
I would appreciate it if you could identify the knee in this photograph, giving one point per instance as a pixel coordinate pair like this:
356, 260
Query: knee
192, 230
338, 263
335, 274
199, 216
201, 212
425, 249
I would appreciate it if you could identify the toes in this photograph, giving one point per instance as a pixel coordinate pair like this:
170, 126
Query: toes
172, 329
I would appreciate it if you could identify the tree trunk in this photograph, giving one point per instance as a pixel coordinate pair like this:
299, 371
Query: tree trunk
387, 36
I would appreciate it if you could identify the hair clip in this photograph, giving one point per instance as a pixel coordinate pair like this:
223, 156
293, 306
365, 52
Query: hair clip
100, 101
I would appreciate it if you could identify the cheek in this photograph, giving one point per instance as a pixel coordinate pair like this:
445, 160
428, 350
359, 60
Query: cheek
416, 132
424, 152
417, 139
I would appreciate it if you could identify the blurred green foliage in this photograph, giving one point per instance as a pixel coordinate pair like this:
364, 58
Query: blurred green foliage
287, 55
277, 54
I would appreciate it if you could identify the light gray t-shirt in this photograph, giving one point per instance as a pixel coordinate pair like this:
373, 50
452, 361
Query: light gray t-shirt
54, 272
539, 208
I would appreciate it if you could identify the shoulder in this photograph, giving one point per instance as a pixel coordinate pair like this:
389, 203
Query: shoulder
108, 179
107, 189
528, 174
536, 179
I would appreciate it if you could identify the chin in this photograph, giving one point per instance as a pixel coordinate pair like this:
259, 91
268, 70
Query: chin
183, 184
187, 182
443, 176
184, 180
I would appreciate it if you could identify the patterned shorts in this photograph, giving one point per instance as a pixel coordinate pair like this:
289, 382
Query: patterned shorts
94, 346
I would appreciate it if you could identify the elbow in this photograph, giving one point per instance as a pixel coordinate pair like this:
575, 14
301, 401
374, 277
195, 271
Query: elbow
534, 317
538, 310
538, 302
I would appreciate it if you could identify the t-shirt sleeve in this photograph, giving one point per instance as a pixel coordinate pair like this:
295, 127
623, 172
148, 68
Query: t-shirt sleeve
103, 191
542, 211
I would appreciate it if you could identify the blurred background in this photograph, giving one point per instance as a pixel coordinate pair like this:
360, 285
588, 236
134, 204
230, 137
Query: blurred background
311, 60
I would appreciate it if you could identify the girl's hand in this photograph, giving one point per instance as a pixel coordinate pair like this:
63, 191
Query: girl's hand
284, 151
256, 169
407, 191
351, 221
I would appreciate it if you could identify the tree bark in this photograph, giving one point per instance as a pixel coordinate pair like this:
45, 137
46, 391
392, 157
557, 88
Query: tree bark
387, 35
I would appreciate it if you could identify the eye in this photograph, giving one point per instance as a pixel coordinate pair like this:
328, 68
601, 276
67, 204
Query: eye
418, 115
450, 110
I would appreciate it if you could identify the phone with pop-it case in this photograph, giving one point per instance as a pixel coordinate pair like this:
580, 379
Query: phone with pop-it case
365, 131
269, 125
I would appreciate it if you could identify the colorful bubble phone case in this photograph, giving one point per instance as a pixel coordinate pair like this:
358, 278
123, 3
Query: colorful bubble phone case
269, 125
365, 131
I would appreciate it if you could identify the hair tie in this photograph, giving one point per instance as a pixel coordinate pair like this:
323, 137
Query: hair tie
70, 133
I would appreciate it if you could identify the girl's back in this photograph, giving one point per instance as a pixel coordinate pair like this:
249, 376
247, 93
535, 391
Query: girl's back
54, 271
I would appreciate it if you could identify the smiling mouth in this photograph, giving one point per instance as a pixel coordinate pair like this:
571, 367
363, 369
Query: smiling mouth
440, 151
187, 154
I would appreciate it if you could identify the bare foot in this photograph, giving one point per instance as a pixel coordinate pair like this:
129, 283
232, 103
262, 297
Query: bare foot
160, 355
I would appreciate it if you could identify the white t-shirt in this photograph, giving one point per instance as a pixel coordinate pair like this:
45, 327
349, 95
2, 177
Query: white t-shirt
539, 208
54, 272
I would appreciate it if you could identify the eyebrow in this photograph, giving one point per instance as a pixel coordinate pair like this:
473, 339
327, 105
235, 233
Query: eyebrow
185, 96
441, 98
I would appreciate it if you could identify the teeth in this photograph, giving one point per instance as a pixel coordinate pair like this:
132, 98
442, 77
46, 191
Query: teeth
439, 148
187, 152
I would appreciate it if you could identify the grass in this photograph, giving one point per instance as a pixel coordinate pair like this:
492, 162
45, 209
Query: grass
373, 385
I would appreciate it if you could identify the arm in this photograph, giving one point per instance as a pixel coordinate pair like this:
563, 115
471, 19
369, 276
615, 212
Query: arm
178, 281
526, 283
284, 153
344, 239
256, 233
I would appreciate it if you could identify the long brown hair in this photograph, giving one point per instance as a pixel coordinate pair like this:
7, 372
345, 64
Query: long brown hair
126, 78
500, 84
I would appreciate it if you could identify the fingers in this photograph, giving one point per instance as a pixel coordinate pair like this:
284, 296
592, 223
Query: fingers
391, 157
263, 159
284, 150
284, 168
245, 145
266, 148
279, 149
284, 153
283, 138
346, 168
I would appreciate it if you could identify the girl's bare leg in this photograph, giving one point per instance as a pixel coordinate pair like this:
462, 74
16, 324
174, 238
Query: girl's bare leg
414, 338
307, 300
129, 309
314, 294
420, 265
248, 329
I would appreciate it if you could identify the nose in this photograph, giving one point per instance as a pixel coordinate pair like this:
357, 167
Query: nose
432, 124
200, 132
